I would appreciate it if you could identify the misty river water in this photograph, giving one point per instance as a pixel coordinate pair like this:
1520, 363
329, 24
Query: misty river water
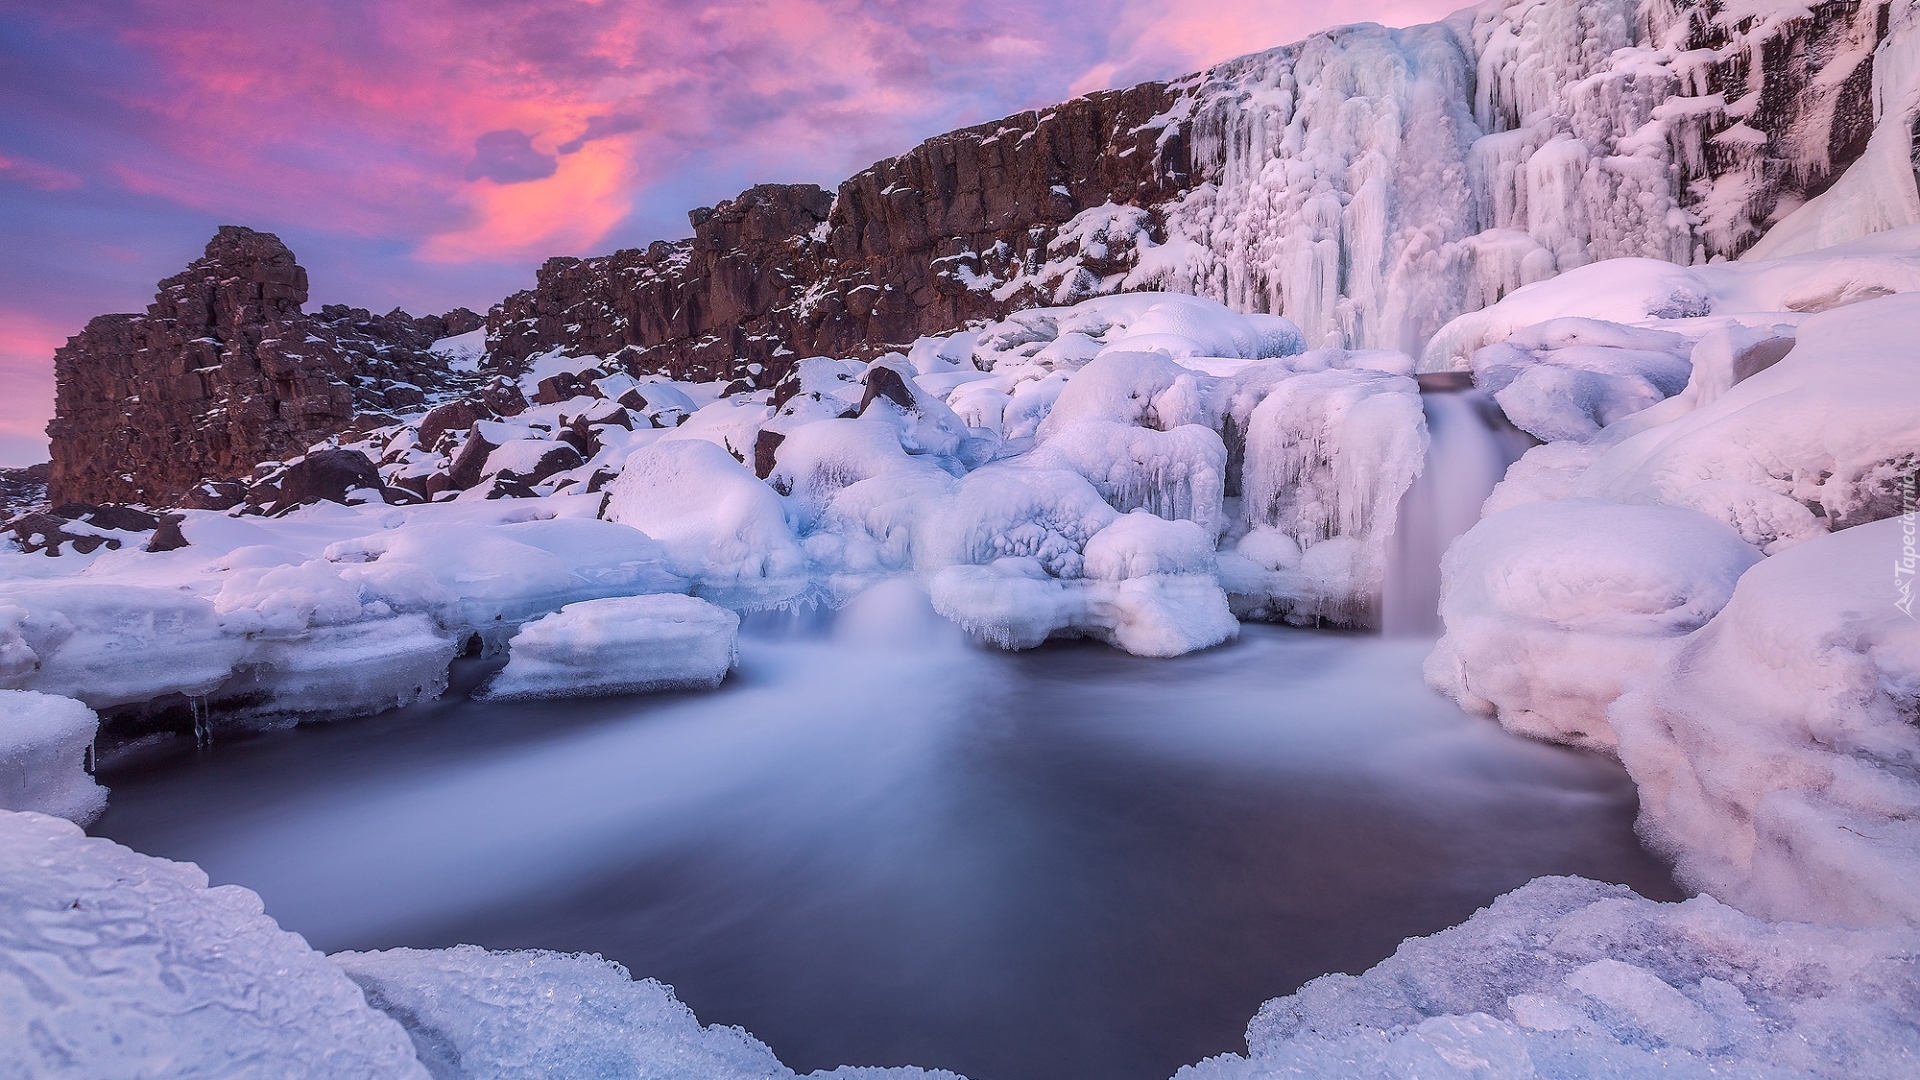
879, 844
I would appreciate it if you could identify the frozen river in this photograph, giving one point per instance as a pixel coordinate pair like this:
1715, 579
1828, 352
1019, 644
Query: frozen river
878, 844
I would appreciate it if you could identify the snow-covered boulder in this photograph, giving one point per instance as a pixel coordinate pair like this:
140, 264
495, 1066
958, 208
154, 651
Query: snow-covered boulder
113, 964
44, 741
487, 579
1024, 560
1550, 607
1776, 750
720, 525
1179, 474
1572, 978
1567, 378
1141, 583
620, 645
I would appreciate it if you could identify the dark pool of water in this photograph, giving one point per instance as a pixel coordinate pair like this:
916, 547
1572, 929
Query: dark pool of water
880, 845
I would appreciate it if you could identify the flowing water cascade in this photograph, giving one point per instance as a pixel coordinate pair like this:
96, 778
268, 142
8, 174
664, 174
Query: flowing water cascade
1470, 444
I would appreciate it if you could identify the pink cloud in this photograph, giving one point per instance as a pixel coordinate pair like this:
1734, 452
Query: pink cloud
367, 116
36, 175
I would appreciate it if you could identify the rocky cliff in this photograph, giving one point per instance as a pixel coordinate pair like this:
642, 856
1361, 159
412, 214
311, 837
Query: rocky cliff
1368, 183
223, 371
898, 251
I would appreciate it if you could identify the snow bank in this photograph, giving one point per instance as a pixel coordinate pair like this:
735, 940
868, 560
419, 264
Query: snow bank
624, 645
486, 1015
44, 742
1551, 607
113, 964
1775, 751
1690, 300
1567, 977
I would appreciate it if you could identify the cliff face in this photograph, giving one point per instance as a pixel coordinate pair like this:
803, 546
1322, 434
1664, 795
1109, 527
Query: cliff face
222, 372
1368, 183
785, 271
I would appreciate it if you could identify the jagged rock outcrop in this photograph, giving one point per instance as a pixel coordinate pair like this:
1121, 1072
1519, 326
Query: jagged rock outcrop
1368, 183
222, 372
785, 271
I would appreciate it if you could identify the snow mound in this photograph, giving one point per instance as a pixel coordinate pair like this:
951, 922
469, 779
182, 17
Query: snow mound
1179, 473
622, 645
44, 740
1568, 977
1775, 750
487, 1015
1550, 607
1136, 581
113, 964
719, 524
1567, 378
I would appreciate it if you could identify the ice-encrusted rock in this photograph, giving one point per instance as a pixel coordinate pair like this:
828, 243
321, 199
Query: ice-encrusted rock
1141, 583
1568, 378
720, 526
1179, 473
1328, 456
493, 1015
113, 964
1572, 978
44, 741
1551, 607
488, 579
1775, 750
620, 645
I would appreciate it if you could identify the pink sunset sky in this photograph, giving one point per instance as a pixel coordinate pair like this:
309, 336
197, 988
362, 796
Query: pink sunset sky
429, 154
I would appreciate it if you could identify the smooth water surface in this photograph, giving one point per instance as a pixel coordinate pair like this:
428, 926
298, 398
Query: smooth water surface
878, 844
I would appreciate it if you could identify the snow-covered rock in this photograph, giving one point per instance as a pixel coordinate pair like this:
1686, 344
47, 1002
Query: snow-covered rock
720, 525
1775, 750
44, 740
1550, 607
1572, 978
113, 964
621, 645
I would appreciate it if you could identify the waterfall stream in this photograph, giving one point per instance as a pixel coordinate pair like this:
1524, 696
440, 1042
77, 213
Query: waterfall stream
1470, 444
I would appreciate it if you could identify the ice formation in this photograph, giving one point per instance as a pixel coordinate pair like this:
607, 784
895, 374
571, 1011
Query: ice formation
1566, 977
620, 645
1693, 585
45, 741
1775, 750
114, 964
1370, 184
1550, 607
485, 1015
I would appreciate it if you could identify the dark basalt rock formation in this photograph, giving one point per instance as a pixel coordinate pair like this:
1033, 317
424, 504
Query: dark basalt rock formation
23, 489
785, 271
901, 249
225, 371
222, 372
